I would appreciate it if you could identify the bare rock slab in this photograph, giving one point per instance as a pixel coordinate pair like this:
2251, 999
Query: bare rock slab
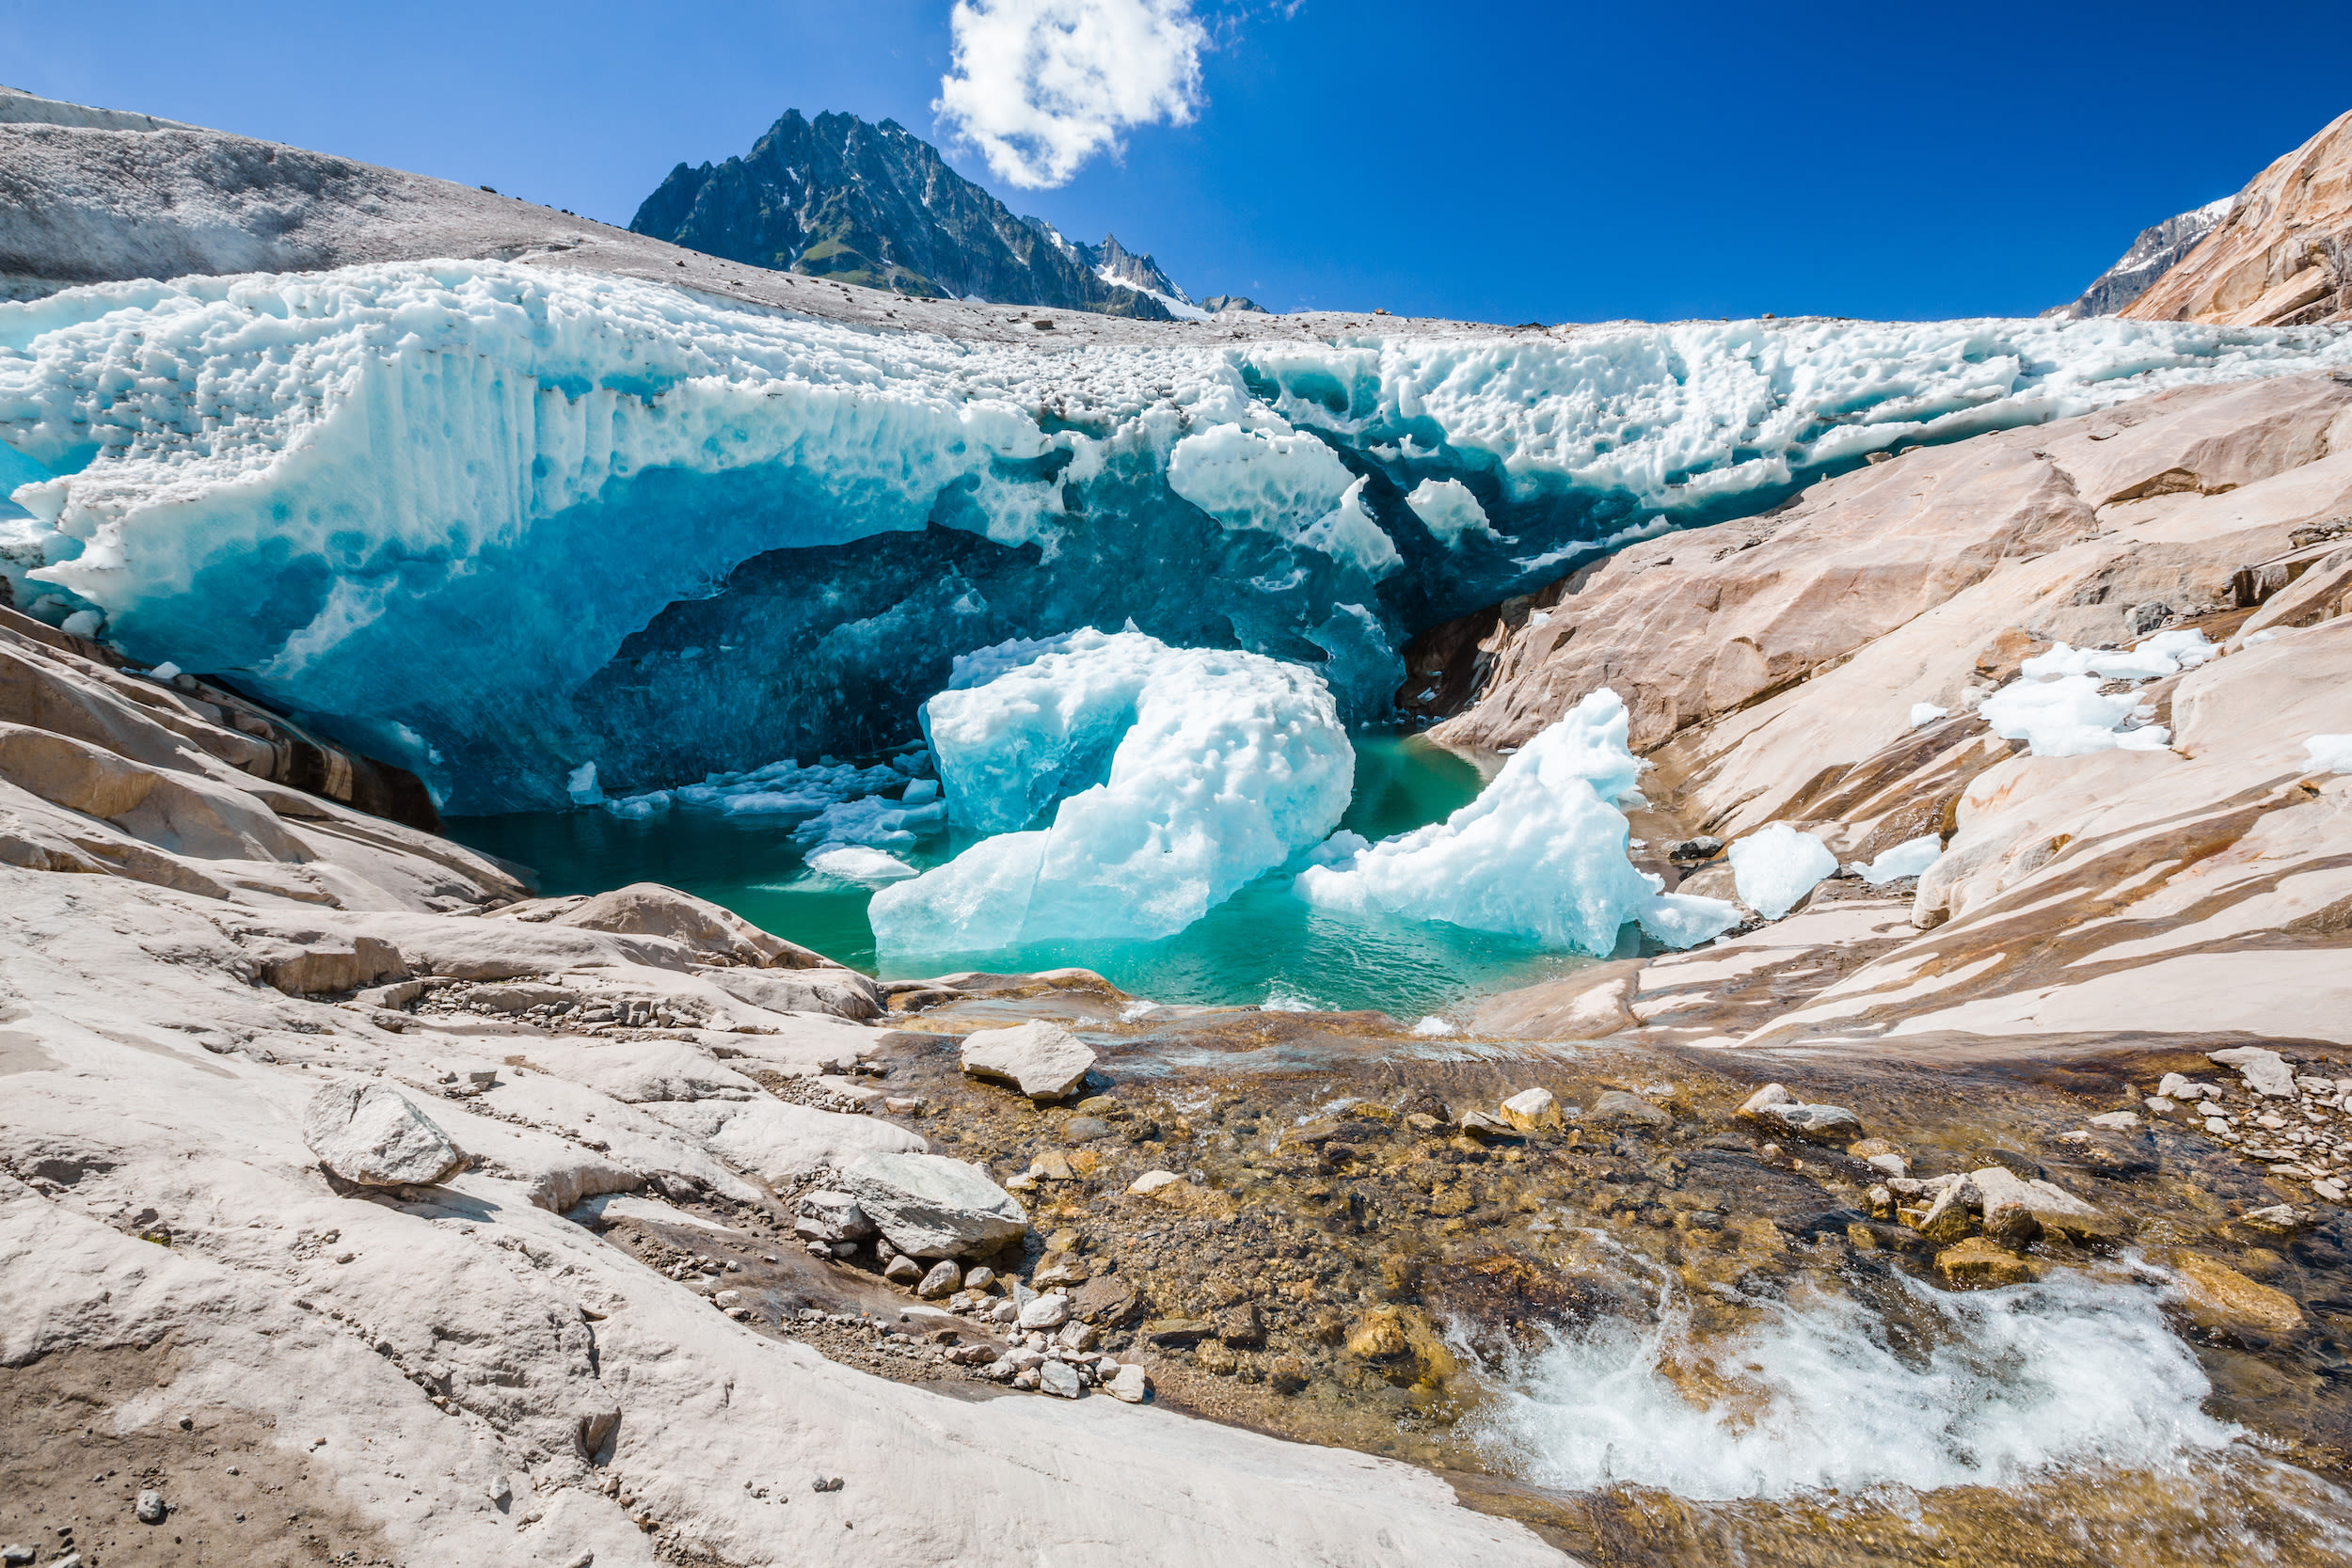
1042, 1060
929, 1206
370, 1133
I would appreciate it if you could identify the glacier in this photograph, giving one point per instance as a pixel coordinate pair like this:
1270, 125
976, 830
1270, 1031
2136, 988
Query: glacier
501, 524
1174, 777
1541, 853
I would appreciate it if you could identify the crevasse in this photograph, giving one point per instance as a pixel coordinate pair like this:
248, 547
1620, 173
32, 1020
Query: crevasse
502, 523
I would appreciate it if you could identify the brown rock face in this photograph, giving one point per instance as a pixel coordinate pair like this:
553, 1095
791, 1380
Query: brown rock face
2282, 257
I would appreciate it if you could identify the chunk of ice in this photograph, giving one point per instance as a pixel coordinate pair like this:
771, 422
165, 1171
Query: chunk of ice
1181, 774
1775, 866
1908, 859
2332, 752
1927, 713
2067, 717
1541, 853
856, 863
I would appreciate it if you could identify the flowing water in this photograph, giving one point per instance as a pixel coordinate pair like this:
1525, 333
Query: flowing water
1261, 946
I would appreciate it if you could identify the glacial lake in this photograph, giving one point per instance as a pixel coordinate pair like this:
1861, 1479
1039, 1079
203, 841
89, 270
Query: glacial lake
1263, 946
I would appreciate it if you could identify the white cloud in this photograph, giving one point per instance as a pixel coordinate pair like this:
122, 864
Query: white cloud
1041, 86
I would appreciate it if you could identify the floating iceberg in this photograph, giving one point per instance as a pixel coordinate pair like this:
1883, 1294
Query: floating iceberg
1775, 866
1541, 853
855, 863
1180, 775
2070, 717
477, 516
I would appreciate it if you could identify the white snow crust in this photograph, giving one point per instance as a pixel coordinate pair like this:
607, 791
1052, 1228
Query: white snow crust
1775, 866
2332, 752
1181, 775
1541, 853
2165, 653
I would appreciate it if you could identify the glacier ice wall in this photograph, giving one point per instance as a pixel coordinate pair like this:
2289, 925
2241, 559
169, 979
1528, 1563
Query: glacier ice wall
500, 523
1179, 776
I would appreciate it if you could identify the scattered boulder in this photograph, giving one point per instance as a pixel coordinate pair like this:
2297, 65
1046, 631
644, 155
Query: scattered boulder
1059, 1378
2266, 1071
1776, 1108
902, 1270
830, 1216
931, 1206
1128, 1385
1617, 1108
945, 1279
371, 1134
150, 1508
1047, 1311
2217, 1296
1533, 1110
1042, 1060
1977, 1264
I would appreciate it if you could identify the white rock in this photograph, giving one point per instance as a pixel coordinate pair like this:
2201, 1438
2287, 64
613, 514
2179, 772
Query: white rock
1770, 1094
2116, 1121
1042, 1060
371, 1135
1047, 1311
1532, 1110
830, 1216
1152, 1181
1822, 1123
1060, 1378
2266, 1071
931, 1206
1128, 1385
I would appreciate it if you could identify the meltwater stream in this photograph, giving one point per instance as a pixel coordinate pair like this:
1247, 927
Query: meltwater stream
1263, 946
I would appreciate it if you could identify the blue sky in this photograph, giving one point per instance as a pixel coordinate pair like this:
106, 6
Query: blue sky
1496, 162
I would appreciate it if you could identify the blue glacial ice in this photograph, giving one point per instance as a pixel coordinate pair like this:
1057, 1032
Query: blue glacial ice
1173, 777
1541, 853
500, 523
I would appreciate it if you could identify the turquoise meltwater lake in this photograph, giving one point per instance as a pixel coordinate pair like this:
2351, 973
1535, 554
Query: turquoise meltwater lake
1263, 946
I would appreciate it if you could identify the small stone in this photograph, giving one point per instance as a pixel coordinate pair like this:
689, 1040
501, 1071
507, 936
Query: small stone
1080, 1130
2279, 1219
1177, 1331
1077, 1335
1042, 1060
2266, 1071
1061, 1378
2218, 1296
1617, 1108
828, 1483
1478, 1124
1025, 1379
2114, 1121
980, 1277
902, 1270
1379, 1336
2330, 1188
1152, 1181
1004, 1312
825, 1215
17, 1557
1978, 1262
945, 1278
1046, 1311
1128, 1385
1770, 1094
1533, 1110
1241, 1325
150, 1508
2159, 1106
1828, 1124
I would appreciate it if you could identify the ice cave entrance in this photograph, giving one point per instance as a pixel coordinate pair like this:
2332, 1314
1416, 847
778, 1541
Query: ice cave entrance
1262, 945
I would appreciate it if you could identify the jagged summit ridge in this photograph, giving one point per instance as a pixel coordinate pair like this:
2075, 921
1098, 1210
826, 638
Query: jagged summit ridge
876, 205
2159, 248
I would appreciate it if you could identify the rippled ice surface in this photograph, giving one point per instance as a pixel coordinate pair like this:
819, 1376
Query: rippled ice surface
1262, 946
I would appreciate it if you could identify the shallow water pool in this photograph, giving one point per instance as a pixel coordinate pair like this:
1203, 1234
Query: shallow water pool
1261, 946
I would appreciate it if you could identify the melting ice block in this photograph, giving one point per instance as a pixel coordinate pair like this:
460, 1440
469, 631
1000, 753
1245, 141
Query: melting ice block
1181, 773
1775, 866
2068, 717
1540, 853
